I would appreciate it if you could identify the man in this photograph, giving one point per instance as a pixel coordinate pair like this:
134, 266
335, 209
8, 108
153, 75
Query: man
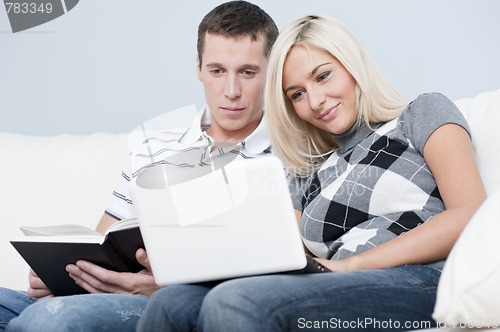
234, 41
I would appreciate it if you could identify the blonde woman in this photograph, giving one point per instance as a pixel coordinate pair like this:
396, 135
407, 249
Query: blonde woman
382, 190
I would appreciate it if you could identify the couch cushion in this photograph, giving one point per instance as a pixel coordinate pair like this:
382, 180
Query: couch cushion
53, 180
468, 291
483, 115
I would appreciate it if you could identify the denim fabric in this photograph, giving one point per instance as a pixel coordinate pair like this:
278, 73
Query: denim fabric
394, 299
89, 312
173, 308
12, 303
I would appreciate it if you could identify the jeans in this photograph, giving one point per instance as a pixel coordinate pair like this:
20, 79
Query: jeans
394, 299
12, 303
89, 312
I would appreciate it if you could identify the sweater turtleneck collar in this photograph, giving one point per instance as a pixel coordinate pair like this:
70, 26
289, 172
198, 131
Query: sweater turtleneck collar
358, 132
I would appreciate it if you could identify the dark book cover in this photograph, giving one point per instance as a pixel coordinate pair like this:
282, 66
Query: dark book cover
49, 258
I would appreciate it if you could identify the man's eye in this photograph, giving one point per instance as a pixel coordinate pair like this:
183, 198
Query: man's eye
248, 73
216, 71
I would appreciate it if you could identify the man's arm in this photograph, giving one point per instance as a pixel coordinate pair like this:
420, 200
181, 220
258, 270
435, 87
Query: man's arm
105, 222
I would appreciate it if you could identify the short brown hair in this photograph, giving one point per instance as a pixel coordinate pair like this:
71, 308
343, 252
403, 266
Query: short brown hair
234, 19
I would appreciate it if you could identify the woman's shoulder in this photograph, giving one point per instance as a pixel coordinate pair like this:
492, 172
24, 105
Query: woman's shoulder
432, 97
430, 101
425, 114
431, 105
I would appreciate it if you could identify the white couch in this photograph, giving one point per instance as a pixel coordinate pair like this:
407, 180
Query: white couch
63, 179
69, 179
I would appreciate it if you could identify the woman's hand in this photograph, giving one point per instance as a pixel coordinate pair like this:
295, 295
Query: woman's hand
336, 265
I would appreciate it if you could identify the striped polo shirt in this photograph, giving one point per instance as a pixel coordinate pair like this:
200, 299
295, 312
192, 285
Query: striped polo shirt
178, 138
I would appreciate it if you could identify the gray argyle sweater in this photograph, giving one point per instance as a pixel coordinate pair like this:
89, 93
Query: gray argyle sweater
376, 185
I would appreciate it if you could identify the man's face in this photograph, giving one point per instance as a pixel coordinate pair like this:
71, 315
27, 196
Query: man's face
233, 72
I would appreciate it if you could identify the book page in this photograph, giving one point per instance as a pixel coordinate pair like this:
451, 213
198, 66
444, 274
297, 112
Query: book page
58, 230
123, 224
75, 230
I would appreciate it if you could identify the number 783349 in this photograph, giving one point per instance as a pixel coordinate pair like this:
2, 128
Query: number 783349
28, 7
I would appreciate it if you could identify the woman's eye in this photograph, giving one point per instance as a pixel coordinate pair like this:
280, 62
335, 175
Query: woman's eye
297, 95
323, 76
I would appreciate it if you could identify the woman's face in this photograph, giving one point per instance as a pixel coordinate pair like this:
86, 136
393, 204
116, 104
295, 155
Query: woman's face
321, 90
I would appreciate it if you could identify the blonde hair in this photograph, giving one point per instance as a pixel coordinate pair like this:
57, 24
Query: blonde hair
302, 146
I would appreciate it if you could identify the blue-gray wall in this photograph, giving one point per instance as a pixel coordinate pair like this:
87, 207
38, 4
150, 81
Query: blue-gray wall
108, 65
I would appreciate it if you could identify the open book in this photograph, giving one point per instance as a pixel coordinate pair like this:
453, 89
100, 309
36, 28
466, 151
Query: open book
48, 250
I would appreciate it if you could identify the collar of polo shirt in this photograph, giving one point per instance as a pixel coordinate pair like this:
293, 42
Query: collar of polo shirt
256, 143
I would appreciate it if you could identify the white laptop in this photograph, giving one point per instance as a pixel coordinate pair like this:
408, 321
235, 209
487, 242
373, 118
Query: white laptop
219, 221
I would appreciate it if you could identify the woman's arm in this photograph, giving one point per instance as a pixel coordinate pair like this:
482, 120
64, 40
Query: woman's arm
449, 155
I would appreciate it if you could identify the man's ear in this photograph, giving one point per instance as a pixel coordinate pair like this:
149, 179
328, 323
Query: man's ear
198, 68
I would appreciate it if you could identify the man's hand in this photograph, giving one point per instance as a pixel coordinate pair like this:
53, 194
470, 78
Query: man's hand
96, 279
37, 288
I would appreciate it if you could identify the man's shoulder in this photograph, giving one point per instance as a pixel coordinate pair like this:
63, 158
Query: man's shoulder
167, 126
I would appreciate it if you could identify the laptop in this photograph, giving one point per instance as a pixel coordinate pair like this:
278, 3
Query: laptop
227, 219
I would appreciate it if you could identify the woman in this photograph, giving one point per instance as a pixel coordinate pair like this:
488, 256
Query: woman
368, 169
384, 166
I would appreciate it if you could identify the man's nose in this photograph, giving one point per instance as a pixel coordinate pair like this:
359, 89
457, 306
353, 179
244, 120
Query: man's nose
232, 87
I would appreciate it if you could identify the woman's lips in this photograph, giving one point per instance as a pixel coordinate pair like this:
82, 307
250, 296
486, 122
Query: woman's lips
329, 114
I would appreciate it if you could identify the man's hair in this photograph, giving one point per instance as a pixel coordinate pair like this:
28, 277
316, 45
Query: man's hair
236, 19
